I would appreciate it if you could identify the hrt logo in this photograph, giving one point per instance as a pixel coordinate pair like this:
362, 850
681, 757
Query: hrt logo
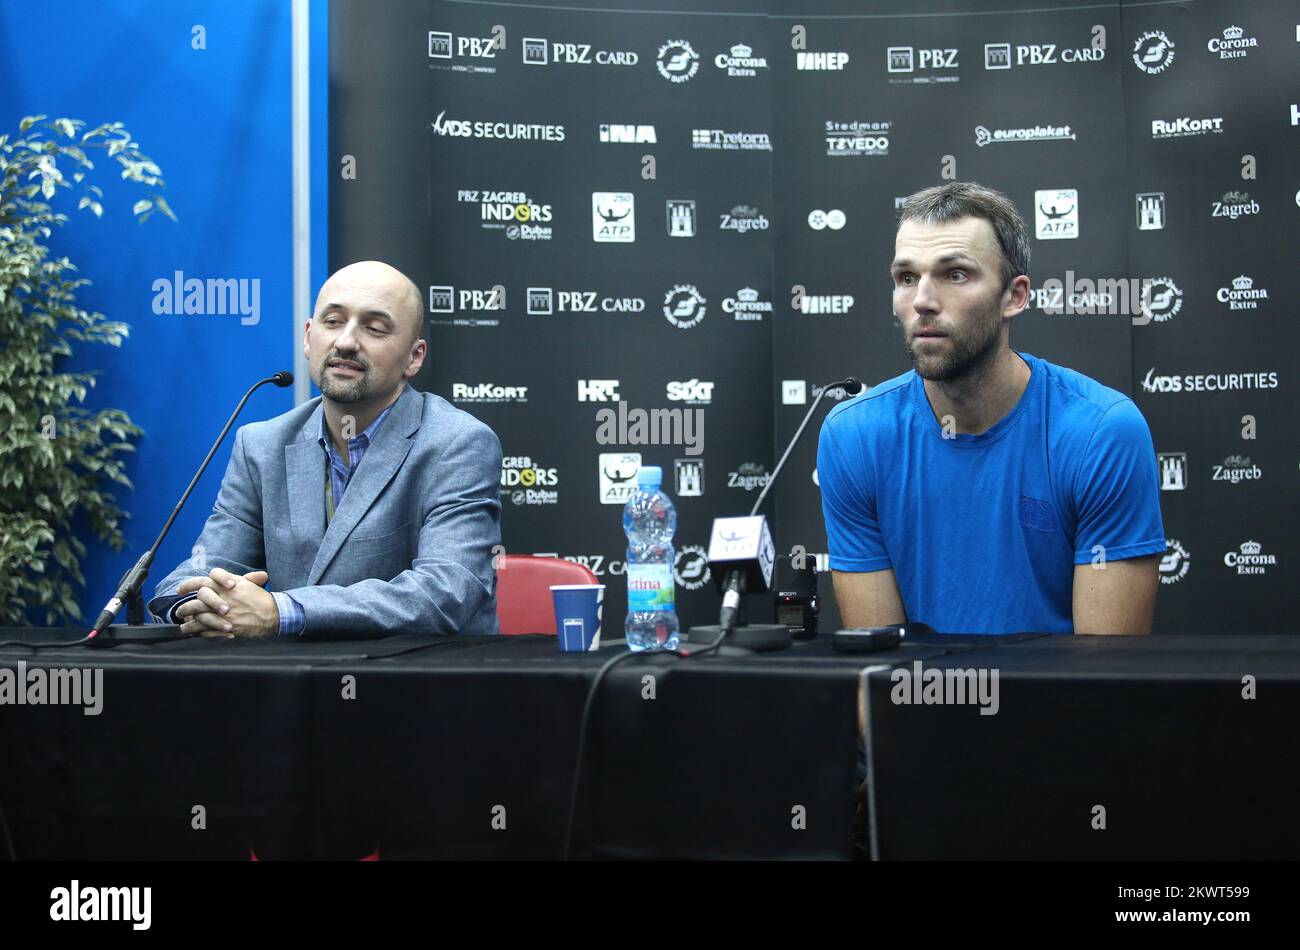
598, 390
694, 391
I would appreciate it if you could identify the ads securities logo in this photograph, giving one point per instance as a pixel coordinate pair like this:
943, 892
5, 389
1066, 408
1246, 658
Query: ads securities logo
1208, 382
856, 138
613, 217
1153, 52
1037, 133
684, 306
1056, 214
484, 129
677, 61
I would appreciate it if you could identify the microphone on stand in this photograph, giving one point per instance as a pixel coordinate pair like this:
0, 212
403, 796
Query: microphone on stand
742, 556
129, 587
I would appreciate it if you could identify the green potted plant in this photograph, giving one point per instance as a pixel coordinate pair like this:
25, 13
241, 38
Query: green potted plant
57, 459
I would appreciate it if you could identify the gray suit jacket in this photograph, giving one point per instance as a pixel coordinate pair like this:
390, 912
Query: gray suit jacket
409, 549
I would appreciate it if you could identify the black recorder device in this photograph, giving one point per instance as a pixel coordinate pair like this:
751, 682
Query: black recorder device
868, 639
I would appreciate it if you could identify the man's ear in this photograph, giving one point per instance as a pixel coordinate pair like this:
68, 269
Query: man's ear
419, 350
1016, 297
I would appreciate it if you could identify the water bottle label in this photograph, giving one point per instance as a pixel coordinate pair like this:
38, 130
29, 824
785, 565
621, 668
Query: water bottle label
649, 587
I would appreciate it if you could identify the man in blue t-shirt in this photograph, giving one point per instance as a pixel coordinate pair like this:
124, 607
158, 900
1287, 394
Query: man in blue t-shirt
985, 491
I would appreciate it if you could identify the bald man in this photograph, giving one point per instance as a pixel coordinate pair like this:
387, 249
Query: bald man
373, 509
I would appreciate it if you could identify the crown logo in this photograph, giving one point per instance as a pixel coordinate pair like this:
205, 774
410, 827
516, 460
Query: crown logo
1236, 196
1242, 283
741, 51
1251, 547
747, 295
1233, 33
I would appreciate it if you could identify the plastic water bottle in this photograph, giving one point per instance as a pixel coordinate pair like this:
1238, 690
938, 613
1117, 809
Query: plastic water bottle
649, 520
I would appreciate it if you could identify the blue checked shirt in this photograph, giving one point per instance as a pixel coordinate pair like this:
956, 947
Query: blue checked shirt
292, 618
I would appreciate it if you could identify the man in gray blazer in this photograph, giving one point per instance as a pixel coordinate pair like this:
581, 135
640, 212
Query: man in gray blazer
372, 509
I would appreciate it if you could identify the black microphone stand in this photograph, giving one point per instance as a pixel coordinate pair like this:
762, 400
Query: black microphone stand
732, 628
128, 589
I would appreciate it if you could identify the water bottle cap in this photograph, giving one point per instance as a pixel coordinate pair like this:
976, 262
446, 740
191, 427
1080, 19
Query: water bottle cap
649, 476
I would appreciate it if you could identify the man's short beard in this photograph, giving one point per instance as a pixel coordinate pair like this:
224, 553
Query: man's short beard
965, 356
345, 391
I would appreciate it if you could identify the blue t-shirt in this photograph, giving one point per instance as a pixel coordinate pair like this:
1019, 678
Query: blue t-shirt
983, 531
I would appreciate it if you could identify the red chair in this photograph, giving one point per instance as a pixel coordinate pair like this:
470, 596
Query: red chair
524, 591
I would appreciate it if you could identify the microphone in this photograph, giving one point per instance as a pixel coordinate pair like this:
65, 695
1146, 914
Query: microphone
741, 555
129, 587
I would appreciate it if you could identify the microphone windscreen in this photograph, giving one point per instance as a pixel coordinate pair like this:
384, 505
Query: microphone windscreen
282, 379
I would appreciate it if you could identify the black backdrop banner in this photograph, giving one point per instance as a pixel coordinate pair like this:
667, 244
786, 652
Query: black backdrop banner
647, 236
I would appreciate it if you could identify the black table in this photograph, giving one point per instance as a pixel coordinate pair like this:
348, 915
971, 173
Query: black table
465, 748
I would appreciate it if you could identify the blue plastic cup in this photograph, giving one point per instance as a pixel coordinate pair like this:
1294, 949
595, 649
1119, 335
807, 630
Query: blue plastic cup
577, 616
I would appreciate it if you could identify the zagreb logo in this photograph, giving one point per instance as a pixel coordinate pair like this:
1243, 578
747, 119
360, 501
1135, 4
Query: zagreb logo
1161, 299
1153, 52
677, 61
684, 306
